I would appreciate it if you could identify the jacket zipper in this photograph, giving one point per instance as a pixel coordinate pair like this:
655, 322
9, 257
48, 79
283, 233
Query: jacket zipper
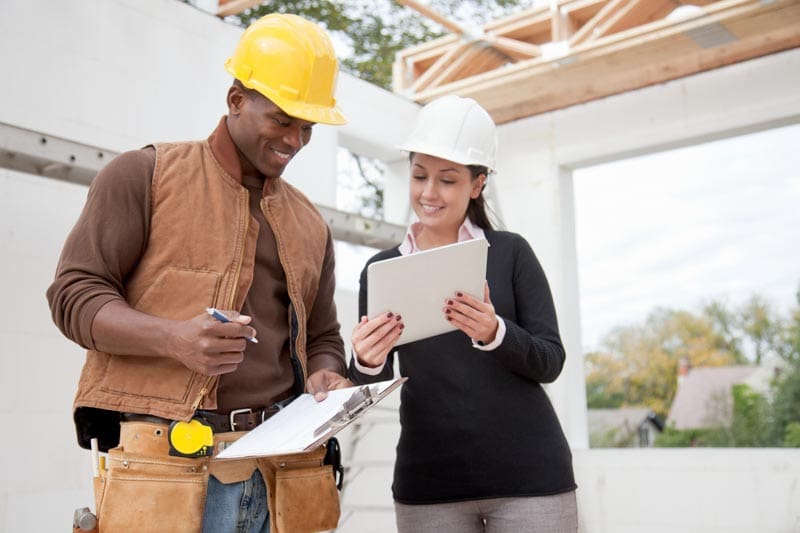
198, 403
293, 324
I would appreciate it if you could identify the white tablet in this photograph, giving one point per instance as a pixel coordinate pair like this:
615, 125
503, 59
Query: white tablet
416, 286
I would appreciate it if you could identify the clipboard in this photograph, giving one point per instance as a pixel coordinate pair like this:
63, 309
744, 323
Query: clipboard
416, 286
305, 424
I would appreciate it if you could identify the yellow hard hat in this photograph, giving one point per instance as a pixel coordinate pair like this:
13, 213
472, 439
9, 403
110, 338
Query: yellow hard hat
291, 61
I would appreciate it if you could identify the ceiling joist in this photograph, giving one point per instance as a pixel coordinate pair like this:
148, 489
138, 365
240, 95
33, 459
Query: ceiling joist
573, 51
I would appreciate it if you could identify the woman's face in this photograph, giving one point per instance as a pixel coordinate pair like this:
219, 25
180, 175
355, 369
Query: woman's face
440, 191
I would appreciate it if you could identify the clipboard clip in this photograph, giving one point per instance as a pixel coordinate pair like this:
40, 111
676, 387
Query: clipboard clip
358, 402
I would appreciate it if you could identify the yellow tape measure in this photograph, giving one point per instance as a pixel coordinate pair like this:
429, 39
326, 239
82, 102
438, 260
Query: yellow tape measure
191, 439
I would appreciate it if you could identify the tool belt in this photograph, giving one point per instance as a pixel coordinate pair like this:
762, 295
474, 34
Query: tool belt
145, 488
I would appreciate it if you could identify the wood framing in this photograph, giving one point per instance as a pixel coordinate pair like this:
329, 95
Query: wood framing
573, 51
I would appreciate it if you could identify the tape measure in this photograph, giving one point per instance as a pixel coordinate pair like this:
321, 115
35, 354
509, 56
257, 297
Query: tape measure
190, 439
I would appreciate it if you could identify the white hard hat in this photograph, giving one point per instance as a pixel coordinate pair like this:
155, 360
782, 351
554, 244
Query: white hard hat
457, 129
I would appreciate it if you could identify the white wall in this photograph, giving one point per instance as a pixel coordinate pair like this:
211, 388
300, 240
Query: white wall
121, 73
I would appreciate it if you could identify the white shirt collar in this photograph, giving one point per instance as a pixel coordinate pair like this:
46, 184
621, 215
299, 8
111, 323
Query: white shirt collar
467, 231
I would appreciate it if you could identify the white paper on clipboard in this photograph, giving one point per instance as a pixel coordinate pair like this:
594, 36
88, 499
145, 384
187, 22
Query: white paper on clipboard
416, 286
306, 423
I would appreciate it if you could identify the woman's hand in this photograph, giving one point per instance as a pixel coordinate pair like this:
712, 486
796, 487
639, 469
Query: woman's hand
373, 339
474, 317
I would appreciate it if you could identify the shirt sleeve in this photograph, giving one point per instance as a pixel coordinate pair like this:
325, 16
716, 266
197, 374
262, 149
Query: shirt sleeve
325, 347
104, 246
498, 338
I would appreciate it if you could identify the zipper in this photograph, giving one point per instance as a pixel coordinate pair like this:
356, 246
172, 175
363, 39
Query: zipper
293, 322
198, 403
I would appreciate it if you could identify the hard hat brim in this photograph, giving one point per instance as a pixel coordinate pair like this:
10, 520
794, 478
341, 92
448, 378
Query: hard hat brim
447, 153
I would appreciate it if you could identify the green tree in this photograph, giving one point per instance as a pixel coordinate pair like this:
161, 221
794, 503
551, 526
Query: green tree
786, 407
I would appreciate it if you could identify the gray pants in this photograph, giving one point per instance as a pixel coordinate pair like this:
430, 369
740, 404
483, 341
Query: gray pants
540, 514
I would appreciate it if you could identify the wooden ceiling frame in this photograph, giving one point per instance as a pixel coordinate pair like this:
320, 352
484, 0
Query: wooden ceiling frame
573, 51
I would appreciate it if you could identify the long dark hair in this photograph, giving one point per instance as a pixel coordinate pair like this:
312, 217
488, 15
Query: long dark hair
476, 209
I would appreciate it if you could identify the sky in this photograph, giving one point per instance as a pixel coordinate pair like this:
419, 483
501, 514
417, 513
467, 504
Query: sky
720, 220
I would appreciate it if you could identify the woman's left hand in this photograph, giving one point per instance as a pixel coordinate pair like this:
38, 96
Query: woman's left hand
474, 317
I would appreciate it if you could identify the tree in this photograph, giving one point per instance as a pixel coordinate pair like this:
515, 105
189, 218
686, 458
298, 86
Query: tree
638, 365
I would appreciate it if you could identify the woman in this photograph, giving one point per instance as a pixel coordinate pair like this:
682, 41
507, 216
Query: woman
480, 447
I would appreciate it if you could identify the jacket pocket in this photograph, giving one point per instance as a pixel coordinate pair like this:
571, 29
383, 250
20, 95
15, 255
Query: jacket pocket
177, 294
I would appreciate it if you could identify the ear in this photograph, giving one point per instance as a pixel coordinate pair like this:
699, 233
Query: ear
235, 99
477, 186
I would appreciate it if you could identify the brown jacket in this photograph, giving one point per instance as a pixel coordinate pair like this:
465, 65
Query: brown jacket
199, 253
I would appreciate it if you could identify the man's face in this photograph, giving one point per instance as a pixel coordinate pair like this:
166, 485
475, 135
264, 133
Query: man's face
267, 137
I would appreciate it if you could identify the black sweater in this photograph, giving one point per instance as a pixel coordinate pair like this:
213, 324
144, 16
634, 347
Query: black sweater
477, 424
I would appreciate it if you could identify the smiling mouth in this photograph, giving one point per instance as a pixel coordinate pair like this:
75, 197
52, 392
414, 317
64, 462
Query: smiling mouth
430, 208
283, 156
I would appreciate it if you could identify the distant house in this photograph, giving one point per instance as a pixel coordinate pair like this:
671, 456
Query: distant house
704, 397
626, 427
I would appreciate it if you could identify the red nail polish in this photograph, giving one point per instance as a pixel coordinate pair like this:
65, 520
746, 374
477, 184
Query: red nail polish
459, 294
447, 311
449, 318
389, 314
449, 302
398, 317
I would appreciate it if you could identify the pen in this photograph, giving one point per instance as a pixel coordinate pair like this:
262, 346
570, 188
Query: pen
222, 318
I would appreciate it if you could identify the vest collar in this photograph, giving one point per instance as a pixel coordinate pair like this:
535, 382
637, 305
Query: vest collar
224, 150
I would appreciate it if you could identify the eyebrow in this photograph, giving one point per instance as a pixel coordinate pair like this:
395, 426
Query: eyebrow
448, 169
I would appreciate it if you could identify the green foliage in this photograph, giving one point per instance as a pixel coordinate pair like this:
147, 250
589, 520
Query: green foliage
685, 438
786, 406
751, 420
792, 439
612, 438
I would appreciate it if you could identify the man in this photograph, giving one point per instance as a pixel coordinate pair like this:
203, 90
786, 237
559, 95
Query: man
172, 229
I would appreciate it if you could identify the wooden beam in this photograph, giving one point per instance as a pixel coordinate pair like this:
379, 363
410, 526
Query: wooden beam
433, 15
561, 24
234, 7
441, 64
587, 31
628, 60
463, 66
512, 47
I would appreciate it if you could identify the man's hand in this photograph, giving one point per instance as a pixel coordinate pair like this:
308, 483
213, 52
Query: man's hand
202, 343
211, 347
323, 380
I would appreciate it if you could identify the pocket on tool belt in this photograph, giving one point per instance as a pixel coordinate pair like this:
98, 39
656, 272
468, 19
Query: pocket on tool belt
306, 499
152, 493
301, 492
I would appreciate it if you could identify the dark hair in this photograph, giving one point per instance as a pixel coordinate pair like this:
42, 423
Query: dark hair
249, 93
476, 209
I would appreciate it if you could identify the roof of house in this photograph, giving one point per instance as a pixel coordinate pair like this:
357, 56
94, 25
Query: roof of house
704, 397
